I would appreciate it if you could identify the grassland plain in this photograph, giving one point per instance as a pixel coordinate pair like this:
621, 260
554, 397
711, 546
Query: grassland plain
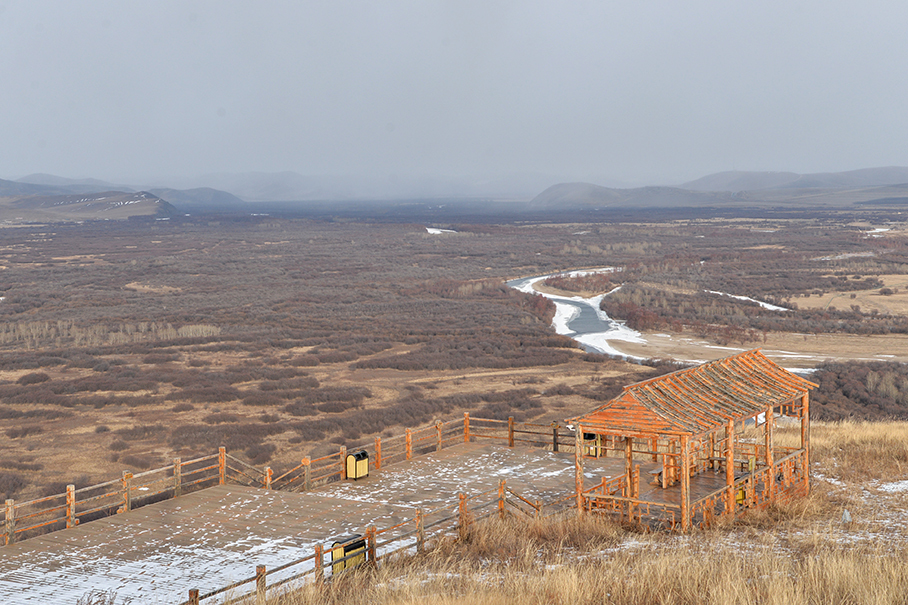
790, 554
125, 344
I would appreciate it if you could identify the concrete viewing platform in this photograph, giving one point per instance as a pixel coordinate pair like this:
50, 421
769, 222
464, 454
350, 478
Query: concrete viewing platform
216, 536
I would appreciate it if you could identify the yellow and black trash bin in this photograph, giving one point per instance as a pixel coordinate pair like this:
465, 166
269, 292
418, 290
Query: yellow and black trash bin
357, 465
347, 552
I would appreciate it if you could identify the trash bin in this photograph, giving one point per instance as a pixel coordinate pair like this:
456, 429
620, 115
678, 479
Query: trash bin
357, 465
345, 546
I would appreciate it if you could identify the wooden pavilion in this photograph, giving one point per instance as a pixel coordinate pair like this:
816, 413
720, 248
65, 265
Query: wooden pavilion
702, 438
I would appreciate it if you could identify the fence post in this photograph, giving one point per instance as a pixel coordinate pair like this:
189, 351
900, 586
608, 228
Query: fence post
510, 431
538, 513
501, 499
261, 585
370, 544
378, 453
10, 522
268, 474
319, 570
71, 520
177, 477
307, 476
438, 434
420, 532
343, 457
127, 496
409, 444
578, 467
193, 596
466, 427
222, 465
554, 436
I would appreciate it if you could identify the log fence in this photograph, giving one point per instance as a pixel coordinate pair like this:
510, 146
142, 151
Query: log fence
413, 536
76, 505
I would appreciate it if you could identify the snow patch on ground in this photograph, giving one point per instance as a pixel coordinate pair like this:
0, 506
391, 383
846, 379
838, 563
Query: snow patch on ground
434, 231
747, 298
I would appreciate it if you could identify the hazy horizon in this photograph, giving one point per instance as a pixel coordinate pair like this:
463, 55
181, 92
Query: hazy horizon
450, 92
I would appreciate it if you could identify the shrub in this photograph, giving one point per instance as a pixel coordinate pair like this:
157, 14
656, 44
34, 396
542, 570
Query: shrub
33, 378
141, 462
119, 445
101, 428
220, 417
142, 432
23, 431
261, 453
10, 483
182, 407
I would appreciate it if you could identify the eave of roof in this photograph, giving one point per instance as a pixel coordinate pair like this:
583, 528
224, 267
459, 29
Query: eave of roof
699, 399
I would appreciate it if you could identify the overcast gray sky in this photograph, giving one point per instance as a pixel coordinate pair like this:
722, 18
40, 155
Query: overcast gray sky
642, 91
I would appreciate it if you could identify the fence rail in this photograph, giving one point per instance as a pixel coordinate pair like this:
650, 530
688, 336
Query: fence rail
27, 519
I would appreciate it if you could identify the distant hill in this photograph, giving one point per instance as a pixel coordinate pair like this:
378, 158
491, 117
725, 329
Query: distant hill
110, 205
72, 185
201, 199
753, 181
571, 195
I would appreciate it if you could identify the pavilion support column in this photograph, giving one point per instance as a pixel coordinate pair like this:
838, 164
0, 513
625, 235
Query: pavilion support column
629, 458
578, 467
805, 440
771, 482
730, 467
685, 483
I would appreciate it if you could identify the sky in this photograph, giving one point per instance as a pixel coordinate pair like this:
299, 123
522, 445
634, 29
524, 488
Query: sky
642, 92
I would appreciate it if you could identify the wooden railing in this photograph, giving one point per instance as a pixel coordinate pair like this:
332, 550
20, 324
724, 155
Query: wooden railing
416, 535
34, 517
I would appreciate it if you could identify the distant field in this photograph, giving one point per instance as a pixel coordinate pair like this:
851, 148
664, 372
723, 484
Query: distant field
125, 344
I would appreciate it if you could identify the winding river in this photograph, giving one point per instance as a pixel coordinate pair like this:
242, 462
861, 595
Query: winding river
581, 318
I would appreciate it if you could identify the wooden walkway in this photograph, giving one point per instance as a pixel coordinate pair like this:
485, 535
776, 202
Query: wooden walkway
213, 537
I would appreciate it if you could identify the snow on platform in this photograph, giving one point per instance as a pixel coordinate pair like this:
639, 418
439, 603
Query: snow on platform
216, 536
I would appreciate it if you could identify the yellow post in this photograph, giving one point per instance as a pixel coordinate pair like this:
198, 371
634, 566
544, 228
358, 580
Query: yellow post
578, 467
466, 427
10, 522
177, 477
730, 466
378, 453
268, 475
71, 519
409, 444
307, 474
805, 439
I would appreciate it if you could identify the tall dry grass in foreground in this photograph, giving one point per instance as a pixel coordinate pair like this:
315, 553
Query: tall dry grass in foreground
789, 554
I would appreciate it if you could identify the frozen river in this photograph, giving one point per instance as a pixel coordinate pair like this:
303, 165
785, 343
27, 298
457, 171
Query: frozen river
581, 318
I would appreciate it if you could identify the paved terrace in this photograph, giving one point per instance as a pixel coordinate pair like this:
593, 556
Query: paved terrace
216, 536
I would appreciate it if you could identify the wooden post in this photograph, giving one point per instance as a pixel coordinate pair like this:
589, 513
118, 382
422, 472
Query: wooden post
177, 477
770, 459
420, 532
554, 436
805, 440
343, 461
268, 475
319, 562
466, 427
685, 484
578, 467
730, 466
378, 453
712, 450
307, 474
126, 490
654, 446
462, 521
370, 544
193, 596
10, 522
438, 436
501, 486
71, 519
628, 457
261, 585
222, 465
409, 444
538, 512
510, 431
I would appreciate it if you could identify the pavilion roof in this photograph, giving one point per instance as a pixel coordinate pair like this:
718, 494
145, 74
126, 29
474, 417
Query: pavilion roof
697, 400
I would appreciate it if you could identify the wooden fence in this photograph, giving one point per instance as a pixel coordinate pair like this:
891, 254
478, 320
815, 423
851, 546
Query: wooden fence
132, 490
416, 535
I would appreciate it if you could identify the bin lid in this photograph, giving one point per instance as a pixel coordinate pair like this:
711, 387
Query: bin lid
360, 455
352, 538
